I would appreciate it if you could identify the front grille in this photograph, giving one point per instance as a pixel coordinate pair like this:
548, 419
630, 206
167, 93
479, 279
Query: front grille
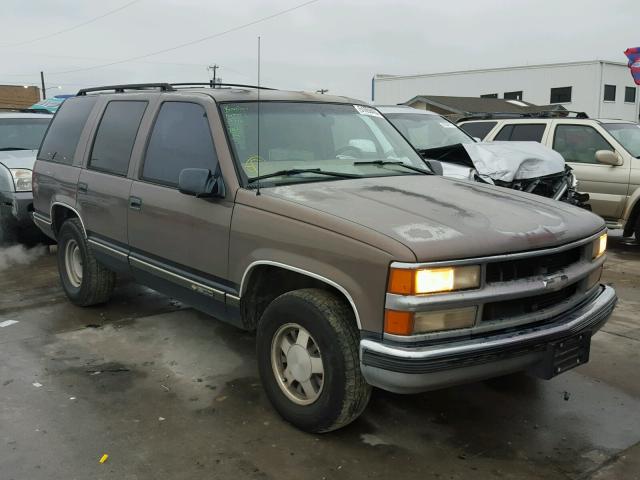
532, 266
522, 306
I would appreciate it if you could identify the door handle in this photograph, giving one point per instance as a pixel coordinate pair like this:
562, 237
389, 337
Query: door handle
82, 187
135, 203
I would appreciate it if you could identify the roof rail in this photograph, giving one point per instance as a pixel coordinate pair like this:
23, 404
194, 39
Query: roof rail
164, 87
218, 84
508, 115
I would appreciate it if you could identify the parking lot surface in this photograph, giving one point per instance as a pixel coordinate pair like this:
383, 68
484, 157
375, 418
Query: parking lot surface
167, 392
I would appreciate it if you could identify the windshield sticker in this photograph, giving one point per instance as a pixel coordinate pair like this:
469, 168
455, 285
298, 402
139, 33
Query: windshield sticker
447, 125
372, 112
251, 164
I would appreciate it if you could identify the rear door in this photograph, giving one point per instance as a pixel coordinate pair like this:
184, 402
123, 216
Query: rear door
179, 243
606, 185
103, 186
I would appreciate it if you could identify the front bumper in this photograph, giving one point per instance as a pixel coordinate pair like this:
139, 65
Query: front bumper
404, 369
18, 206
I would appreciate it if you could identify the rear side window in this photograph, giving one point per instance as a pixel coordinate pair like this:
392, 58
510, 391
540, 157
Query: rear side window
180, 139
522, 132
62, 138
477, 129
115, 136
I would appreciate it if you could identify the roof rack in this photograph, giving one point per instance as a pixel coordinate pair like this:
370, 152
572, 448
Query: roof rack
538, 114
218, 84
164, 87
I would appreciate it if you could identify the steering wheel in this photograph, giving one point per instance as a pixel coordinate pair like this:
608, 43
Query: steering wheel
350, 151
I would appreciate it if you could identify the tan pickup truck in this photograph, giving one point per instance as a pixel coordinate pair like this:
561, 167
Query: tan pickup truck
311, 220
604, 154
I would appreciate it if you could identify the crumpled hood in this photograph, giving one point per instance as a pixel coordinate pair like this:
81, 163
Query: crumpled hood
441, 219
18, 158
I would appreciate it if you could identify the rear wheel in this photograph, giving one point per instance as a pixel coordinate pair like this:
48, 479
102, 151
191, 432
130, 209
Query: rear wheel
84, 280
637, 228
307, 345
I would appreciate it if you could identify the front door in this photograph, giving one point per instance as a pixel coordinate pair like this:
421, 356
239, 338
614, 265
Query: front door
606, 185
176, 240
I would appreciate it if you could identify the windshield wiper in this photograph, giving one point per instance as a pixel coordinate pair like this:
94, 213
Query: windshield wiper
6, 149
296, 171
401, 164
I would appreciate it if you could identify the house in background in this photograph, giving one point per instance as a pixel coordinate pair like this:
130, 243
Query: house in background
455, 108
17, 97
601, 89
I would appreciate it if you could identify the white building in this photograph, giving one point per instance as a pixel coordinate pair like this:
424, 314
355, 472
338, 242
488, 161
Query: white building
599, 88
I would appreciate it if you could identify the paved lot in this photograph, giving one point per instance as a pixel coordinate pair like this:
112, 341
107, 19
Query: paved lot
169, 393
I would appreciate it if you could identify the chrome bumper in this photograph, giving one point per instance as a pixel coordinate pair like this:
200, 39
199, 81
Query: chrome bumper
407, 369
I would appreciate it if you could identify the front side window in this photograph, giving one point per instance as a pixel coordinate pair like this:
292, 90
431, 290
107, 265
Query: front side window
478, 129
62, 138
627, 134
579, 143
22, 133
181, 138
338, 138
489, 95
609, 93
115, 137
560, 95
428, 131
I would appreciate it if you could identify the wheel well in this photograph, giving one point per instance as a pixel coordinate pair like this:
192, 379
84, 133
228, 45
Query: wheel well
634, 218
265, 283
59, 214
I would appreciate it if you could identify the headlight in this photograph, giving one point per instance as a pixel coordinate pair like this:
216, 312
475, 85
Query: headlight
599, 246
433, 280
412, 323
21, 179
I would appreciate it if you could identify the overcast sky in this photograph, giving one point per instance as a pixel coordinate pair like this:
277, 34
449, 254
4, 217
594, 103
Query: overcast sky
326, 44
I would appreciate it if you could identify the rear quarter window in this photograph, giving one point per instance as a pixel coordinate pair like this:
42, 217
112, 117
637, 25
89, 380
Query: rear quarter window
60, 142
477, 129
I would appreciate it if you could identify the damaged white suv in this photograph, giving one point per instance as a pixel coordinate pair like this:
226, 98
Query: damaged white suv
525, 166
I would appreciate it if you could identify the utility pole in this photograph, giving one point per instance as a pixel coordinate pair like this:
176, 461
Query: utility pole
214, 69
44, 90
322, 91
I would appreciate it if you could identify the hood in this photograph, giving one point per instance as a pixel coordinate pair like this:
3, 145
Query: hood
18, 158
443, 219
501, 161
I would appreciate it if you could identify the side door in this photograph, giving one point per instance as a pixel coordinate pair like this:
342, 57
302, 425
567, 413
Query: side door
606, 185
179, 243
103, 186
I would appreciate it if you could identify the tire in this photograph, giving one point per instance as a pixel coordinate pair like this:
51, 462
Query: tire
636, 229
88, 283
341, 392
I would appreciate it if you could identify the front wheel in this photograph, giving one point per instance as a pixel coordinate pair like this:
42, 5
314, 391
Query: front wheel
84, 280
307, 346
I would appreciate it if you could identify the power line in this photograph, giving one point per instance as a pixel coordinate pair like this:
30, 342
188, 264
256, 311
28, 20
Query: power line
69, 29
193, 42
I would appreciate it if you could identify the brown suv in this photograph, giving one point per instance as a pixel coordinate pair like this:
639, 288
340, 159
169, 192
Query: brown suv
311, 220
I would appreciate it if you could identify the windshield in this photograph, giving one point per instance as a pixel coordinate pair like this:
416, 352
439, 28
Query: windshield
428, 131
336, 138
22, 133
627, 134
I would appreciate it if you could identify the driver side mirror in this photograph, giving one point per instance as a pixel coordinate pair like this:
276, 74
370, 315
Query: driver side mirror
200, 183
607, 157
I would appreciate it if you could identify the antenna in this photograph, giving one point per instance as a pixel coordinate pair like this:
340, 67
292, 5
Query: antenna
258, 168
